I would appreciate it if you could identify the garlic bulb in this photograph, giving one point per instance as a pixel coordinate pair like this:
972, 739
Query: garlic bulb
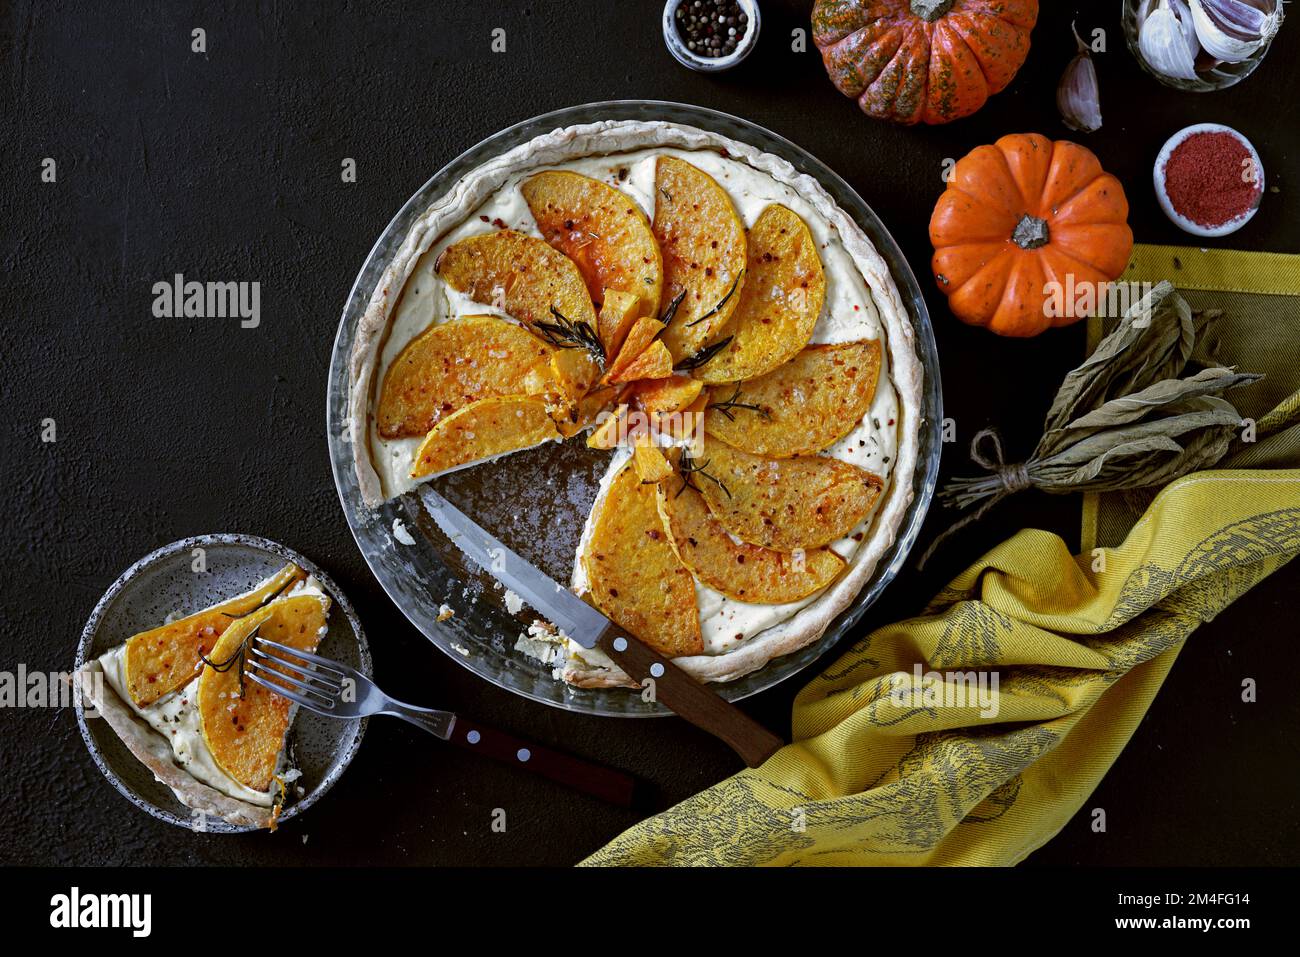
1077, 95
1235, 30
1167, 39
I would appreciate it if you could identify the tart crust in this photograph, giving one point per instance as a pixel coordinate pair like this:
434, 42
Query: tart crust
152, 750
612, 137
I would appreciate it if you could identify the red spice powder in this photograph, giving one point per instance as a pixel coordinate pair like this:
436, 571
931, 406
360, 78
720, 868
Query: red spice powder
1210, 178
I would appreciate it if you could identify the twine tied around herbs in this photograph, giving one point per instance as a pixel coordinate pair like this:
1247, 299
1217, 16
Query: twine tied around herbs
1127, 418
1013, 478
1006, 479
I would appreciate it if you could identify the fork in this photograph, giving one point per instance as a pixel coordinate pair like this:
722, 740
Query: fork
333, 689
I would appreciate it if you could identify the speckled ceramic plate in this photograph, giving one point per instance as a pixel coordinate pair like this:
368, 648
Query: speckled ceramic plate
164, 582
538, 503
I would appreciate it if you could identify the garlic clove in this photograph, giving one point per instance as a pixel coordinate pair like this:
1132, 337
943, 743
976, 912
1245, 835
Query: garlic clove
1184, 14
1244, 18
1165, 44
1078, 95
1235, 30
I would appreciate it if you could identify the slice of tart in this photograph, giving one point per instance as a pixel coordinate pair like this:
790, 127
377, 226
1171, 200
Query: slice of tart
217, 740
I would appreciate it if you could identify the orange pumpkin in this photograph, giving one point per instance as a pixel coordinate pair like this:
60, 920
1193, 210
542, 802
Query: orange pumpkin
1028, 231
929, 61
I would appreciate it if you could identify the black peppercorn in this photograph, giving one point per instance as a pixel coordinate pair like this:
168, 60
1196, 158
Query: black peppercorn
711, 28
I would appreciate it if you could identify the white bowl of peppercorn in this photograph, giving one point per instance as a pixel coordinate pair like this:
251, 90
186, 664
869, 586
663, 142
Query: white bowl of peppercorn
1209, 179
710, 35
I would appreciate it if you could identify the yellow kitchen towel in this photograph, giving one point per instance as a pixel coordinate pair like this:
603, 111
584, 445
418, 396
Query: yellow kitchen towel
891, 767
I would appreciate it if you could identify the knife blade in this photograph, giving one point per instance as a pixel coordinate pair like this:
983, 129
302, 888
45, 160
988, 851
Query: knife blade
578, 620
653, 672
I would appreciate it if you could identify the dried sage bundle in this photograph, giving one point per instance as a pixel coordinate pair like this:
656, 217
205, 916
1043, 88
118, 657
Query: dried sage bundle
1122, 420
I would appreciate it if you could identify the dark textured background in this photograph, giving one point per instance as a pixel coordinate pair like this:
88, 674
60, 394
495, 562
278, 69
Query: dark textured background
225, 166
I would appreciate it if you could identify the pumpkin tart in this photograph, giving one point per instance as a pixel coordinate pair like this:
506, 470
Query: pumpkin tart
708, 315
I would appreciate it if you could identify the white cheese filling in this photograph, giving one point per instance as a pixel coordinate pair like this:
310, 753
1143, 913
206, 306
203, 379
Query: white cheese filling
176, 717
849, 314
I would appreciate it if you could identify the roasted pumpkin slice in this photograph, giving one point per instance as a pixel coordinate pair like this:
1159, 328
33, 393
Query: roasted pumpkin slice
649, 461
602, 230
243, 723
575, 370
634, 576
166, 658
520, 275
618, 312
484, 429
654, 363
609, 433
639, 337
804, 406
574, 417
784, 289
686, 427
665, 396
452, 364
703, 245
572, 391
741, 571
785, 504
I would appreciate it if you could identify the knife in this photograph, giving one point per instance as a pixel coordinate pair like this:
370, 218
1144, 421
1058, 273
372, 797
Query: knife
591, 629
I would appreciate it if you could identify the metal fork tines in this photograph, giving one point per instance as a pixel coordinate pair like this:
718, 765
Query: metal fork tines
311, 681
330, 687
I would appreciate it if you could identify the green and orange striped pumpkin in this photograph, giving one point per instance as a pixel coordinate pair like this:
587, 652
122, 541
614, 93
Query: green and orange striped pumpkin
922, 61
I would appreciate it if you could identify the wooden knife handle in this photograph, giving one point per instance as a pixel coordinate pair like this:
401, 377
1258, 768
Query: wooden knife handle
689, 698
599, 781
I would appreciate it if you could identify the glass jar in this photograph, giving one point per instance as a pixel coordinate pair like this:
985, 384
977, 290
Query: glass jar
1211, 74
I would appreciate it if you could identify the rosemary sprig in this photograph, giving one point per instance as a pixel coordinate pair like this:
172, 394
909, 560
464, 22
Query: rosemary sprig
729, 407
238, 656
703, 356
264, 602
671, 312
725, 299
691, 468
566, 333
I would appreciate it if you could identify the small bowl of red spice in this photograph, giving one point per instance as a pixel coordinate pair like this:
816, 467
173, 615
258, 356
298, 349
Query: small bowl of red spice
1209, 179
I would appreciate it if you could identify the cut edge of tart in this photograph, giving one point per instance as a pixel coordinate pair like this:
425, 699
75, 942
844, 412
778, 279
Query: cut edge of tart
219, 753
851, 263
